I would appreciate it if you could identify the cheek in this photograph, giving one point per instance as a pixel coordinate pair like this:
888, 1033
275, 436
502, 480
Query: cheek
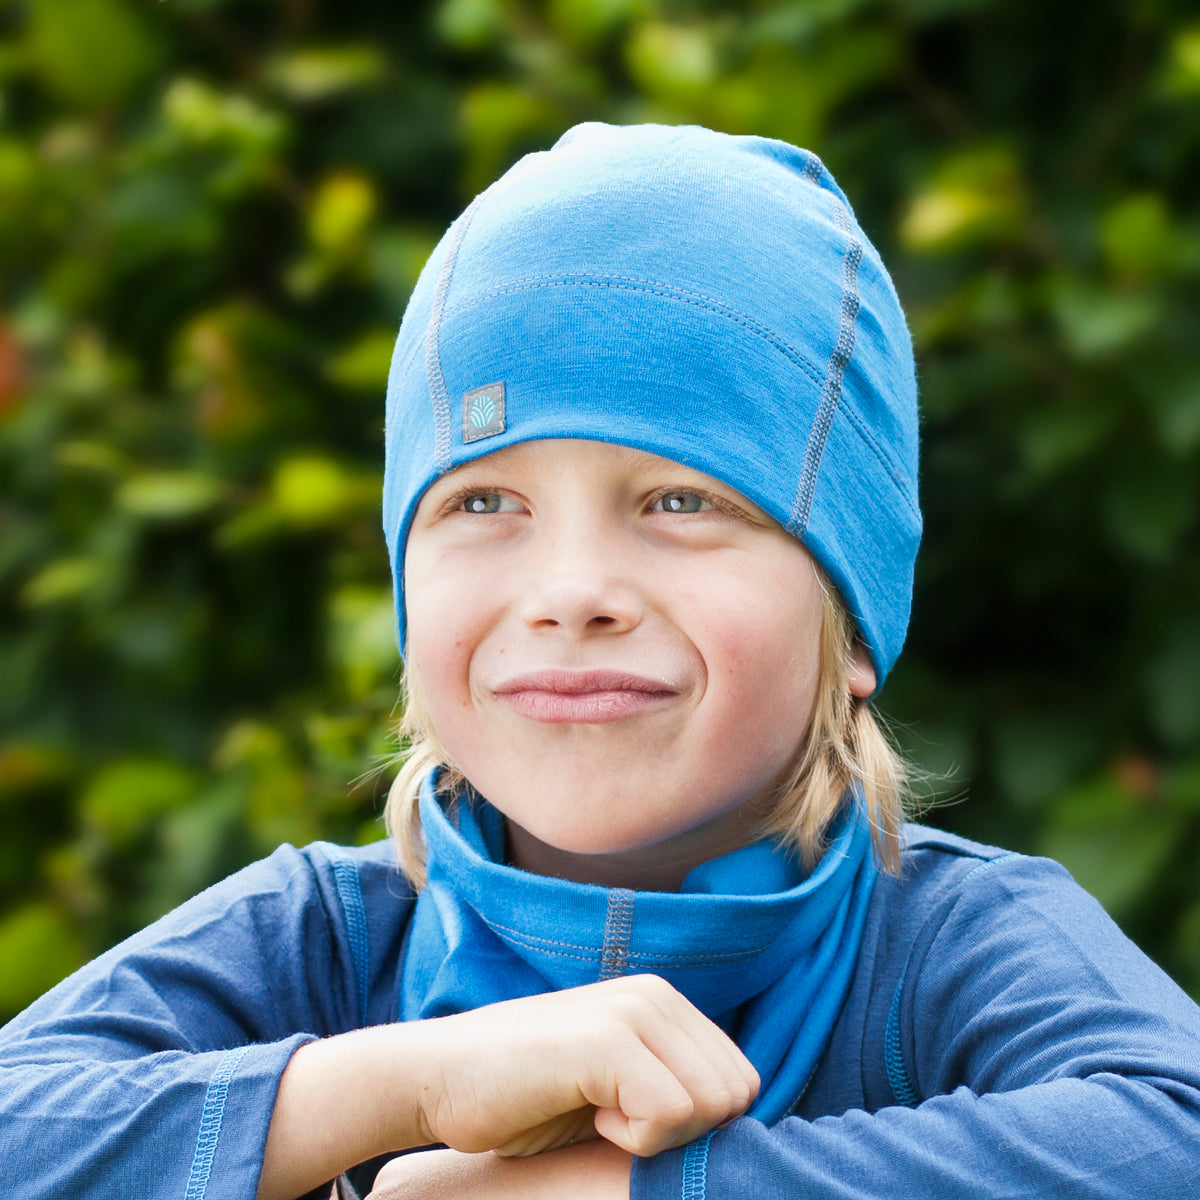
437, 651
765, 667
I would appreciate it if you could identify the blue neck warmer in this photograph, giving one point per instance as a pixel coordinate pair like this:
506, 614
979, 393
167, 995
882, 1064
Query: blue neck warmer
763, 950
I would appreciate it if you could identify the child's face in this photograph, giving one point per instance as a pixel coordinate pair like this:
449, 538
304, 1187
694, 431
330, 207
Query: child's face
619, 652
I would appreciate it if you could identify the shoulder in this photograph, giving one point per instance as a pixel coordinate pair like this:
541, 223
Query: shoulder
288, 886
993, 970
937, 871
958, 903
940, 869
305, 939
947, 880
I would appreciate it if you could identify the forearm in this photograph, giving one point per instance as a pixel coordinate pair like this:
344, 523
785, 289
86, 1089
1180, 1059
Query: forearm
630, 1054
179, 1123
344, 1100
591, 1171
1105, 1138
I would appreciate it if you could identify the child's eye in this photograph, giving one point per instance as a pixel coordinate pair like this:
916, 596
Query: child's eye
487, 502
682, 502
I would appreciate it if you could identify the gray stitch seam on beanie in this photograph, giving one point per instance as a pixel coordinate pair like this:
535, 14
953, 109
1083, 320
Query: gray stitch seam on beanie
649, 287
438, 396
882, 454
831, 396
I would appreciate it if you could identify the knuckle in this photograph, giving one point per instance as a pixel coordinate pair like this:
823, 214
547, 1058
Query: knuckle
653, 986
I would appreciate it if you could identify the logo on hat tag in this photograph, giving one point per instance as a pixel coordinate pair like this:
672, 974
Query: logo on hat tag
483, 412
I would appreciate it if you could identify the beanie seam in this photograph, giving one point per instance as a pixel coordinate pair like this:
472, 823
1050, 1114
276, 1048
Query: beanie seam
647, 286
906, 490
831, 391
439, 397
599, 285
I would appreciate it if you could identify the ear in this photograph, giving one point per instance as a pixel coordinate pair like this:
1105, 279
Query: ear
862, 672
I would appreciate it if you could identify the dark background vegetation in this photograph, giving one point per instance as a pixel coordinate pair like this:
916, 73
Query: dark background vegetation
211, 214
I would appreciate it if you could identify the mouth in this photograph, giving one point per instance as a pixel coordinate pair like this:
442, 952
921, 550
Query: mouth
592, 697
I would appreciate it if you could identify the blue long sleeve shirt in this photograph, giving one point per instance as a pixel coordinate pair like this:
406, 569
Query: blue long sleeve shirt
1001, 1038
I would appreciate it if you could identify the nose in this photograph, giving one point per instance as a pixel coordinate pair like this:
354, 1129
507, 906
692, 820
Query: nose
581, 586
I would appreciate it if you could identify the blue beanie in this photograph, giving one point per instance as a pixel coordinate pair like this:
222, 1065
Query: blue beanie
703, 297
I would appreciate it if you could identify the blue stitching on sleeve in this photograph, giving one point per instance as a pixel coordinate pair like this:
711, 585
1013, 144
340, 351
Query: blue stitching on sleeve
211, 1116
349, 887
903, 1091
695, 1169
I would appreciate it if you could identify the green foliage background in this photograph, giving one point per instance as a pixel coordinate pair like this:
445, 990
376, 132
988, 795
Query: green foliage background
211, 214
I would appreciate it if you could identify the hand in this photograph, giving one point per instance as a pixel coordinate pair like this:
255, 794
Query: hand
629, 1060
598, 1171
629, 1057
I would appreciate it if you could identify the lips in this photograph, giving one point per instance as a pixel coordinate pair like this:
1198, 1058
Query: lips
591, 697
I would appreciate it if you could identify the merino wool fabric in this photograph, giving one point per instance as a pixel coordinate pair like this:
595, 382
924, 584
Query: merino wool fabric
699, 296
757, 944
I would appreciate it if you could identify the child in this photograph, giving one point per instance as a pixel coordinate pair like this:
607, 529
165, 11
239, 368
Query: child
651, 505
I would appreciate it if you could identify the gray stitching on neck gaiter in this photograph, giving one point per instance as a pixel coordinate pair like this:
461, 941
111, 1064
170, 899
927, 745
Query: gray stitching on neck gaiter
433, 352
831, 392
618, 928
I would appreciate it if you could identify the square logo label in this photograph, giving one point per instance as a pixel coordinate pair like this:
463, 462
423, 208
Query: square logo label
483, 412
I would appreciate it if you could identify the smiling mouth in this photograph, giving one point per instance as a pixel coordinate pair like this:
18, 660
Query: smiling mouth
593, 697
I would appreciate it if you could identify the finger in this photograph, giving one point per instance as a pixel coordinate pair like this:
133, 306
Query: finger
568, 1129
717, 1078
714, 1050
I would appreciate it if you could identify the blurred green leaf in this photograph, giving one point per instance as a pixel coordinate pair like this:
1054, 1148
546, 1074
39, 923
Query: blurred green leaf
1176, 400
169, 495
64, 41
674, 62
26, 766
470, 24
365, 363
342, 207
156, 212
63, 579
1182, 74
586, 22
124, 797
1058, 434
1181, 786
1097, 321
206, 116
497, 117
1117, 861
38, 946
310, 490
364, 637
1040, 754
97, 458
1111, 843
18, 169
974, 196
317, 72
1149, 511
394, 260
1173, 686
1136, 235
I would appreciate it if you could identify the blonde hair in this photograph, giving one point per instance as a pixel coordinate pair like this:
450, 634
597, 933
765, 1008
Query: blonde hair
843, 754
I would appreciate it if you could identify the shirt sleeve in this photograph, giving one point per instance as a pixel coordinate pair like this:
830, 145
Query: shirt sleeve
153, 1071
1042, 1055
